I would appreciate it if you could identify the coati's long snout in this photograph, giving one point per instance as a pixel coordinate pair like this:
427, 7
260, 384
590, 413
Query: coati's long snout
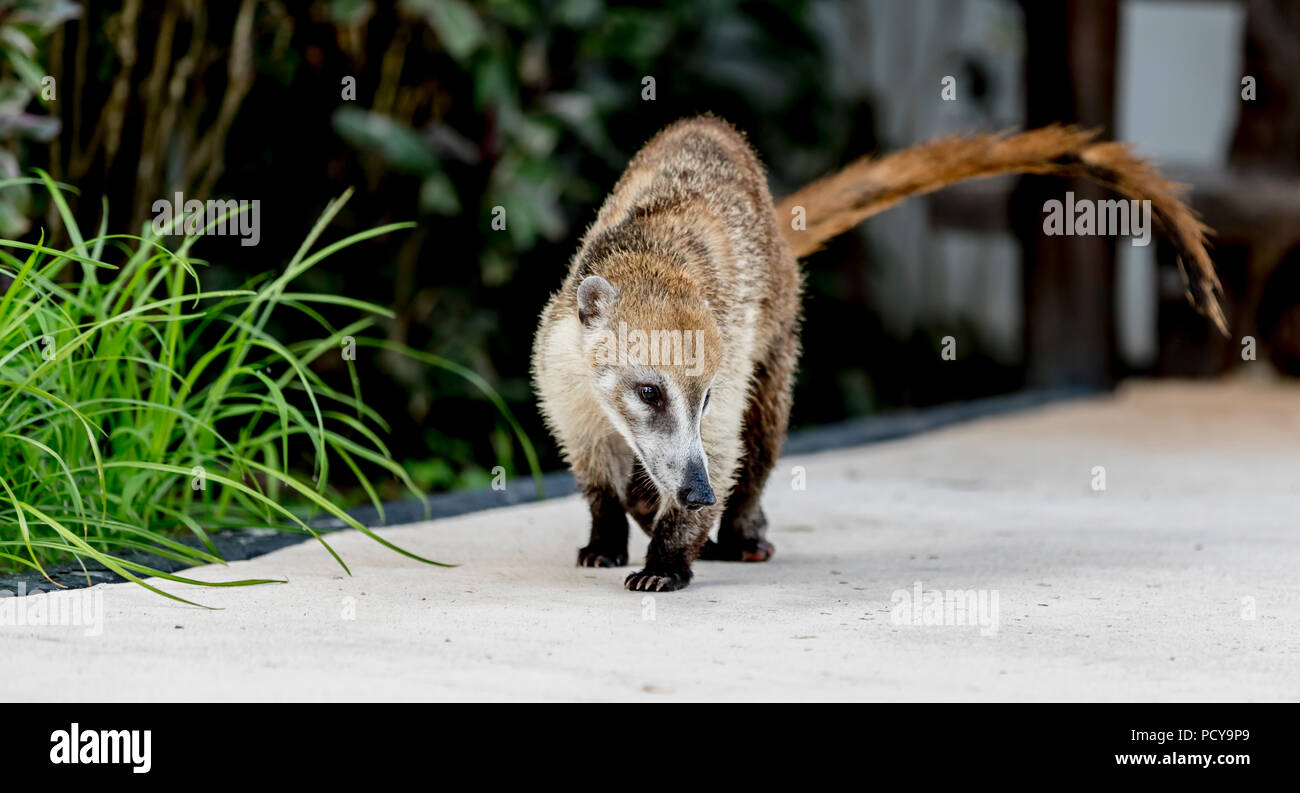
838, 202
651, 359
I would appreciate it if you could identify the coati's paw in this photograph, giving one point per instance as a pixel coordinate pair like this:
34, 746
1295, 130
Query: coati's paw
647, 581
744, 550
592, 556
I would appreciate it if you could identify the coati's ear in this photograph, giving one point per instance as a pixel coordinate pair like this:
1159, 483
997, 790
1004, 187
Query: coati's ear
595, 301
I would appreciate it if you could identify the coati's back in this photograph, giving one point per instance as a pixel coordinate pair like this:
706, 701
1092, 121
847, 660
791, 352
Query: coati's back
697, 197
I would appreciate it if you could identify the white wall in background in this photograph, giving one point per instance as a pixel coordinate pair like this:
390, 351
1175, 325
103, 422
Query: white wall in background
897, 53
1178, 92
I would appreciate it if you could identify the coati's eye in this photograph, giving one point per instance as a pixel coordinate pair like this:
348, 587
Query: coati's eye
649, 395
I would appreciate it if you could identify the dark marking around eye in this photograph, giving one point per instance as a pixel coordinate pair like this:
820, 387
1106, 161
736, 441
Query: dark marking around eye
651, 395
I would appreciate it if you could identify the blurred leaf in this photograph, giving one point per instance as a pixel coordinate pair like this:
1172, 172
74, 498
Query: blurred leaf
13, 219
503, 449
14, 97
447, 141
517, 14
536, 137
42, 129
492, 83
28, 70
740, 64
578, 112
15, 40
438, 195
15, 200
9, 169
432, 474
46, 14
458, 26
474, 478
632, 34
398, 145
534, 68
497, 268
349, 13
577, 13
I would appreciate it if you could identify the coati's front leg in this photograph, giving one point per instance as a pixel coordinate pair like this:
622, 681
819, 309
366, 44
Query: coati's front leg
741, 535
608, 544
642, 499
676, 542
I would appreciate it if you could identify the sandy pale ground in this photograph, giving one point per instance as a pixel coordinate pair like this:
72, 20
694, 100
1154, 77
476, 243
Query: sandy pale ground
1178, 581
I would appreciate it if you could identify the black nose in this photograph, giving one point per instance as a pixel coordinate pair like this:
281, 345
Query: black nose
696, 493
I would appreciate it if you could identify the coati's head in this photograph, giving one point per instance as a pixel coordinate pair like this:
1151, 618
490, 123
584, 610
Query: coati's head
653, 350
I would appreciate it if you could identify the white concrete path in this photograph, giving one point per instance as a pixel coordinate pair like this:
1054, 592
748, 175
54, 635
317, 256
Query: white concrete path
1143, 591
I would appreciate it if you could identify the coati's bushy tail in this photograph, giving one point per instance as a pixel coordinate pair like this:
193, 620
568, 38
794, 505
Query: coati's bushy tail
838, 202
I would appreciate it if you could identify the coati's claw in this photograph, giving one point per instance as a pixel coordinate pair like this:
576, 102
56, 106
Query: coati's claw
595, 557
738, 551
645, 581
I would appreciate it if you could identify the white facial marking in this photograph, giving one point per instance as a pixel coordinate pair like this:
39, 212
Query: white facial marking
667, 445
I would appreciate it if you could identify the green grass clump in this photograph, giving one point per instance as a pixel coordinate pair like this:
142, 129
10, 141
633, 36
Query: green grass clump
136, 409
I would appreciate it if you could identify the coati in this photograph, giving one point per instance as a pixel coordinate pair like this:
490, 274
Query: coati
664, 363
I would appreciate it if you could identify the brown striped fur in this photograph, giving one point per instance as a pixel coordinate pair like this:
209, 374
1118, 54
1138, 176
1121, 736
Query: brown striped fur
690, 239
842, 200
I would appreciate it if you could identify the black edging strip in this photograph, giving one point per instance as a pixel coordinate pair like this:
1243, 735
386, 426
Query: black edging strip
238, 544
